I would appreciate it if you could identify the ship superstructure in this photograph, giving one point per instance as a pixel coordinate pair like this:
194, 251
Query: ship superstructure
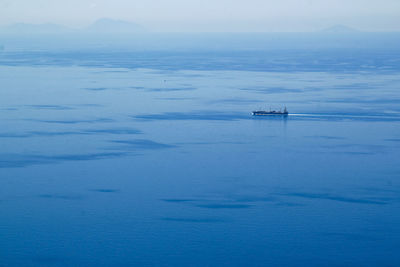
270, 112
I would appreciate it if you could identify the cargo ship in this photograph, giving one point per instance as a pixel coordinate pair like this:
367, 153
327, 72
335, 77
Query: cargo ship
271, 112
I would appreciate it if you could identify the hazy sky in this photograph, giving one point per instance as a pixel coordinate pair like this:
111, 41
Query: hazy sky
211, 15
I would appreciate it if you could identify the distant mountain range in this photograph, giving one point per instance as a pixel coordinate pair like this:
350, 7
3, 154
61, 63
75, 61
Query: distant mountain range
105, 25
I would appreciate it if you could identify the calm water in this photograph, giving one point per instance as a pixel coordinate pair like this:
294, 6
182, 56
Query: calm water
153, 159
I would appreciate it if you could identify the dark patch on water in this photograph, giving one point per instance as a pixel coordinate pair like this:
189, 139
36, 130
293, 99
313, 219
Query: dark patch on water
22, 160
9, 109
199, 115
325, 196
289, 204
273, 90
48, 134
50, 107
192, 75
84, 157
114, 131
326, 137
360, 146
117, 131
352, 86
114, 71
142, 144
105, 190
253, 199
17, 161
193, 220
223, 206
213, 143
178, 200
235, 202
96, 88
393, 139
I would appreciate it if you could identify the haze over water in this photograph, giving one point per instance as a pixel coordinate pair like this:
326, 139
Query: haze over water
146, 154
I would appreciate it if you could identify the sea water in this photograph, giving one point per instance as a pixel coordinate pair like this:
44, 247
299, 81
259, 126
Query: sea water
152, 158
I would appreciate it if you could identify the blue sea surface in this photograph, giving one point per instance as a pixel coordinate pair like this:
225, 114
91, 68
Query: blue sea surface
129, 158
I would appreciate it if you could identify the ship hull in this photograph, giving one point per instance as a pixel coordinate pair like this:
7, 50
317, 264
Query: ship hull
261, 113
